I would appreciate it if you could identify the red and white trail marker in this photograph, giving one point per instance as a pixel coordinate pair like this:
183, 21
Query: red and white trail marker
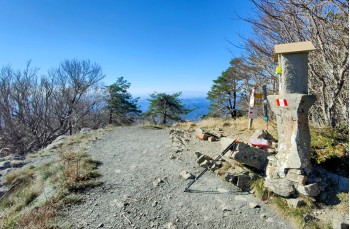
282, 102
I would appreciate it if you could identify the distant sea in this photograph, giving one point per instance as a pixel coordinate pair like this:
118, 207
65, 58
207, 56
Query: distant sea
200, 106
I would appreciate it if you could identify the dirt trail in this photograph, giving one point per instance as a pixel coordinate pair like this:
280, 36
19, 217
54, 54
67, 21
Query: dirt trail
143, 188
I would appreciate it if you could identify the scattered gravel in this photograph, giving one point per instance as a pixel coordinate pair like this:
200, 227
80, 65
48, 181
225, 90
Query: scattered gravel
143, 188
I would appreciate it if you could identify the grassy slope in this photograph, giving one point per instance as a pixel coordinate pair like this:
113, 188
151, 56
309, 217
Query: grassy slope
37, 193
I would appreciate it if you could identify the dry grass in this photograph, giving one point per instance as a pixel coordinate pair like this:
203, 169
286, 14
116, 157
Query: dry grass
236, 128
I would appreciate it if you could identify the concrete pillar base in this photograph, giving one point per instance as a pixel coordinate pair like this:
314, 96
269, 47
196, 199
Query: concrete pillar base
293, 132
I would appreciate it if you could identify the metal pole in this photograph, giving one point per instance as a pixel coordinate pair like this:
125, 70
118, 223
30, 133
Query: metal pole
231, 146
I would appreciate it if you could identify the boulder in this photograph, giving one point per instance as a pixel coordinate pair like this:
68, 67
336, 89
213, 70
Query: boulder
309, 190
281, 187
250, 156
245, 154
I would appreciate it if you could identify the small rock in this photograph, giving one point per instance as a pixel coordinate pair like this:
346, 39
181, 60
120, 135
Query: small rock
202, 159
101, 225
308, 218
230, 178
254, 205
17, 157
172, 157
205, 164
271, 151
198, 154
270, 220
199, 131
309, 190
240, 198
263, 216
154, 203
157, 182
295, 203
281, 187
295, 177
244, 181
340, 222
187, 175
170, 225
211, 139
222, 190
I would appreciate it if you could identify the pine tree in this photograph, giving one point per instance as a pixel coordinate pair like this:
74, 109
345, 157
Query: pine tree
121, 105
223, 93
165, 107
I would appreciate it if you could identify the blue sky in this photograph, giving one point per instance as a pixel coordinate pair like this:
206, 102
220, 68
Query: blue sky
157, 45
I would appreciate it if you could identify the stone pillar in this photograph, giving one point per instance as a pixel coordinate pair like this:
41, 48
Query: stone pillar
291, 166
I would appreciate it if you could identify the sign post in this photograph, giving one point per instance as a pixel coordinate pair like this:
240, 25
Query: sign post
252, 113
266, 117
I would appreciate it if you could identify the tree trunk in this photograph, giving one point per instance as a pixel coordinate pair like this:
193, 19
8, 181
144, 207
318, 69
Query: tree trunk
164, 118
234, 104
110, 117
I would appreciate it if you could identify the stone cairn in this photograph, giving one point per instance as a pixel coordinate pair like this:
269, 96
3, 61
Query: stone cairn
290, 169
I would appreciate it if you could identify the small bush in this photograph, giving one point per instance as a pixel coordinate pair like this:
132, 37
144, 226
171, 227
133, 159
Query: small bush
330, 149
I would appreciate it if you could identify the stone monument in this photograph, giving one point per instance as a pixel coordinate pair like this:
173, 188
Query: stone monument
290, 168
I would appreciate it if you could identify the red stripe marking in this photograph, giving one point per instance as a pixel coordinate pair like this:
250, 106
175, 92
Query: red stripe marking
285, 102
278, 102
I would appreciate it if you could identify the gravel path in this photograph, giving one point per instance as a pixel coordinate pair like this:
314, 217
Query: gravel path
143, 188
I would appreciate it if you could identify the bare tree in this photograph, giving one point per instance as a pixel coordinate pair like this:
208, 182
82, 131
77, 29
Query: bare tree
325, 23
34, 111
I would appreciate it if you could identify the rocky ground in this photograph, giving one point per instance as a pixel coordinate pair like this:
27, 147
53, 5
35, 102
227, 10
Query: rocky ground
143, 187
